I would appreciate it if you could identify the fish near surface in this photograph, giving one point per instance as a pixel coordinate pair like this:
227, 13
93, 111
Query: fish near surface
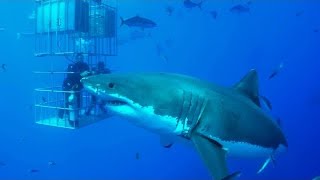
190, 4
138, 21
240, 9
217, 120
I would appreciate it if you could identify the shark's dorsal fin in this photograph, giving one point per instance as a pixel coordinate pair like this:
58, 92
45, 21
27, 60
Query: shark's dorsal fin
249, 86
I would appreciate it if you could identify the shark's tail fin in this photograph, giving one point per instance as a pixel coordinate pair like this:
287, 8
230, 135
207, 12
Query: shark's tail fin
122, 21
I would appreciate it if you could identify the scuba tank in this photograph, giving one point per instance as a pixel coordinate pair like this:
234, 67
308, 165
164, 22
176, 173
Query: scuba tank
72, 101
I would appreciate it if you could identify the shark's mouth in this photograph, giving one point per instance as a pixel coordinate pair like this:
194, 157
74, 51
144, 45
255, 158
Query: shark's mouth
116, 103
109, 99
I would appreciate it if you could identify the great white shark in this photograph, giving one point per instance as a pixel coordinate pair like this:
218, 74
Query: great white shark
218, 121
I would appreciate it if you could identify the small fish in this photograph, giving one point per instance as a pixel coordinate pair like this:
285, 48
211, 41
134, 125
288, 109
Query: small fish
137, 156
4, 67
240, 9
44, 100
168, 145
214, 14
264, 165
271, 159
138, 21
2, 164
189, 4
51, 163
276, 71
169, 10
33, 170
299, 13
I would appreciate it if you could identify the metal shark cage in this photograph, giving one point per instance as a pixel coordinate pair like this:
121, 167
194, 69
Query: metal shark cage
65, 29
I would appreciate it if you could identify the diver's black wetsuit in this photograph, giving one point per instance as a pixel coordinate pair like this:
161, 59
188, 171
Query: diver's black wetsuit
72, 83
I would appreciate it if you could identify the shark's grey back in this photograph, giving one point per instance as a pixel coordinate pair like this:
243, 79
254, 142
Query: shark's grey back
232, 113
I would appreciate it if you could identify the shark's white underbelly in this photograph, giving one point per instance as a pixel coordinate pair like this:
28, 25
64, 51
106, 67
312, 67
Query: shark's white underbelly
243, 149
147, 119
171, 127
160, 124
168, 125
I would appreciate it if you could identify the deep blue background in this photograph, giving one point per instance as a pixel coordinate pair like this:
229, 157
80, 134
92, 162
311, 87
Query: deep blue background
220, 50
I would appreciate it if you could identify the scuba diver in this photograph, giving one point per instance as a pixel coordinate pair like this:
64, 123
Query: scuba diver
100, 69
72, 87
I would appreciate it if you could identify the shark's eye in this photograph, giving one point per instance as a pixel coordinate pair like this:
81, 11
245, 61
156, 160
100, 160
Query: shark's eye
111, 85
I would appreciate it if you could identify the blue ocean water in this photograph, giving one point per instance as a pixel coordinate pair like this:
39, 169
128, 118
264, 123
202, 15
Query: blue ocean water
220, 49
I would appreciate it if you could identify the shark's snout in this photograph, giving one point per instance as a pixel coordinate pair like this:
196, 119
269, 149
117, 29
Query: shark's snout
90, 85
85, 80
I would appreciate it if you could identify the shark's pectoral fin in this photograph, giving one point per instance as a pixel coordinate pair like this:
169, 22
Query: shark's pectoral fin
213, 155
166, 141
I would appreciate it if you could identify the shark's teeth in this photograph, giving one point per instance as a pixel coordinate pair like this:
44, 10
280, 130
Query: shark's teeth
116, 102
